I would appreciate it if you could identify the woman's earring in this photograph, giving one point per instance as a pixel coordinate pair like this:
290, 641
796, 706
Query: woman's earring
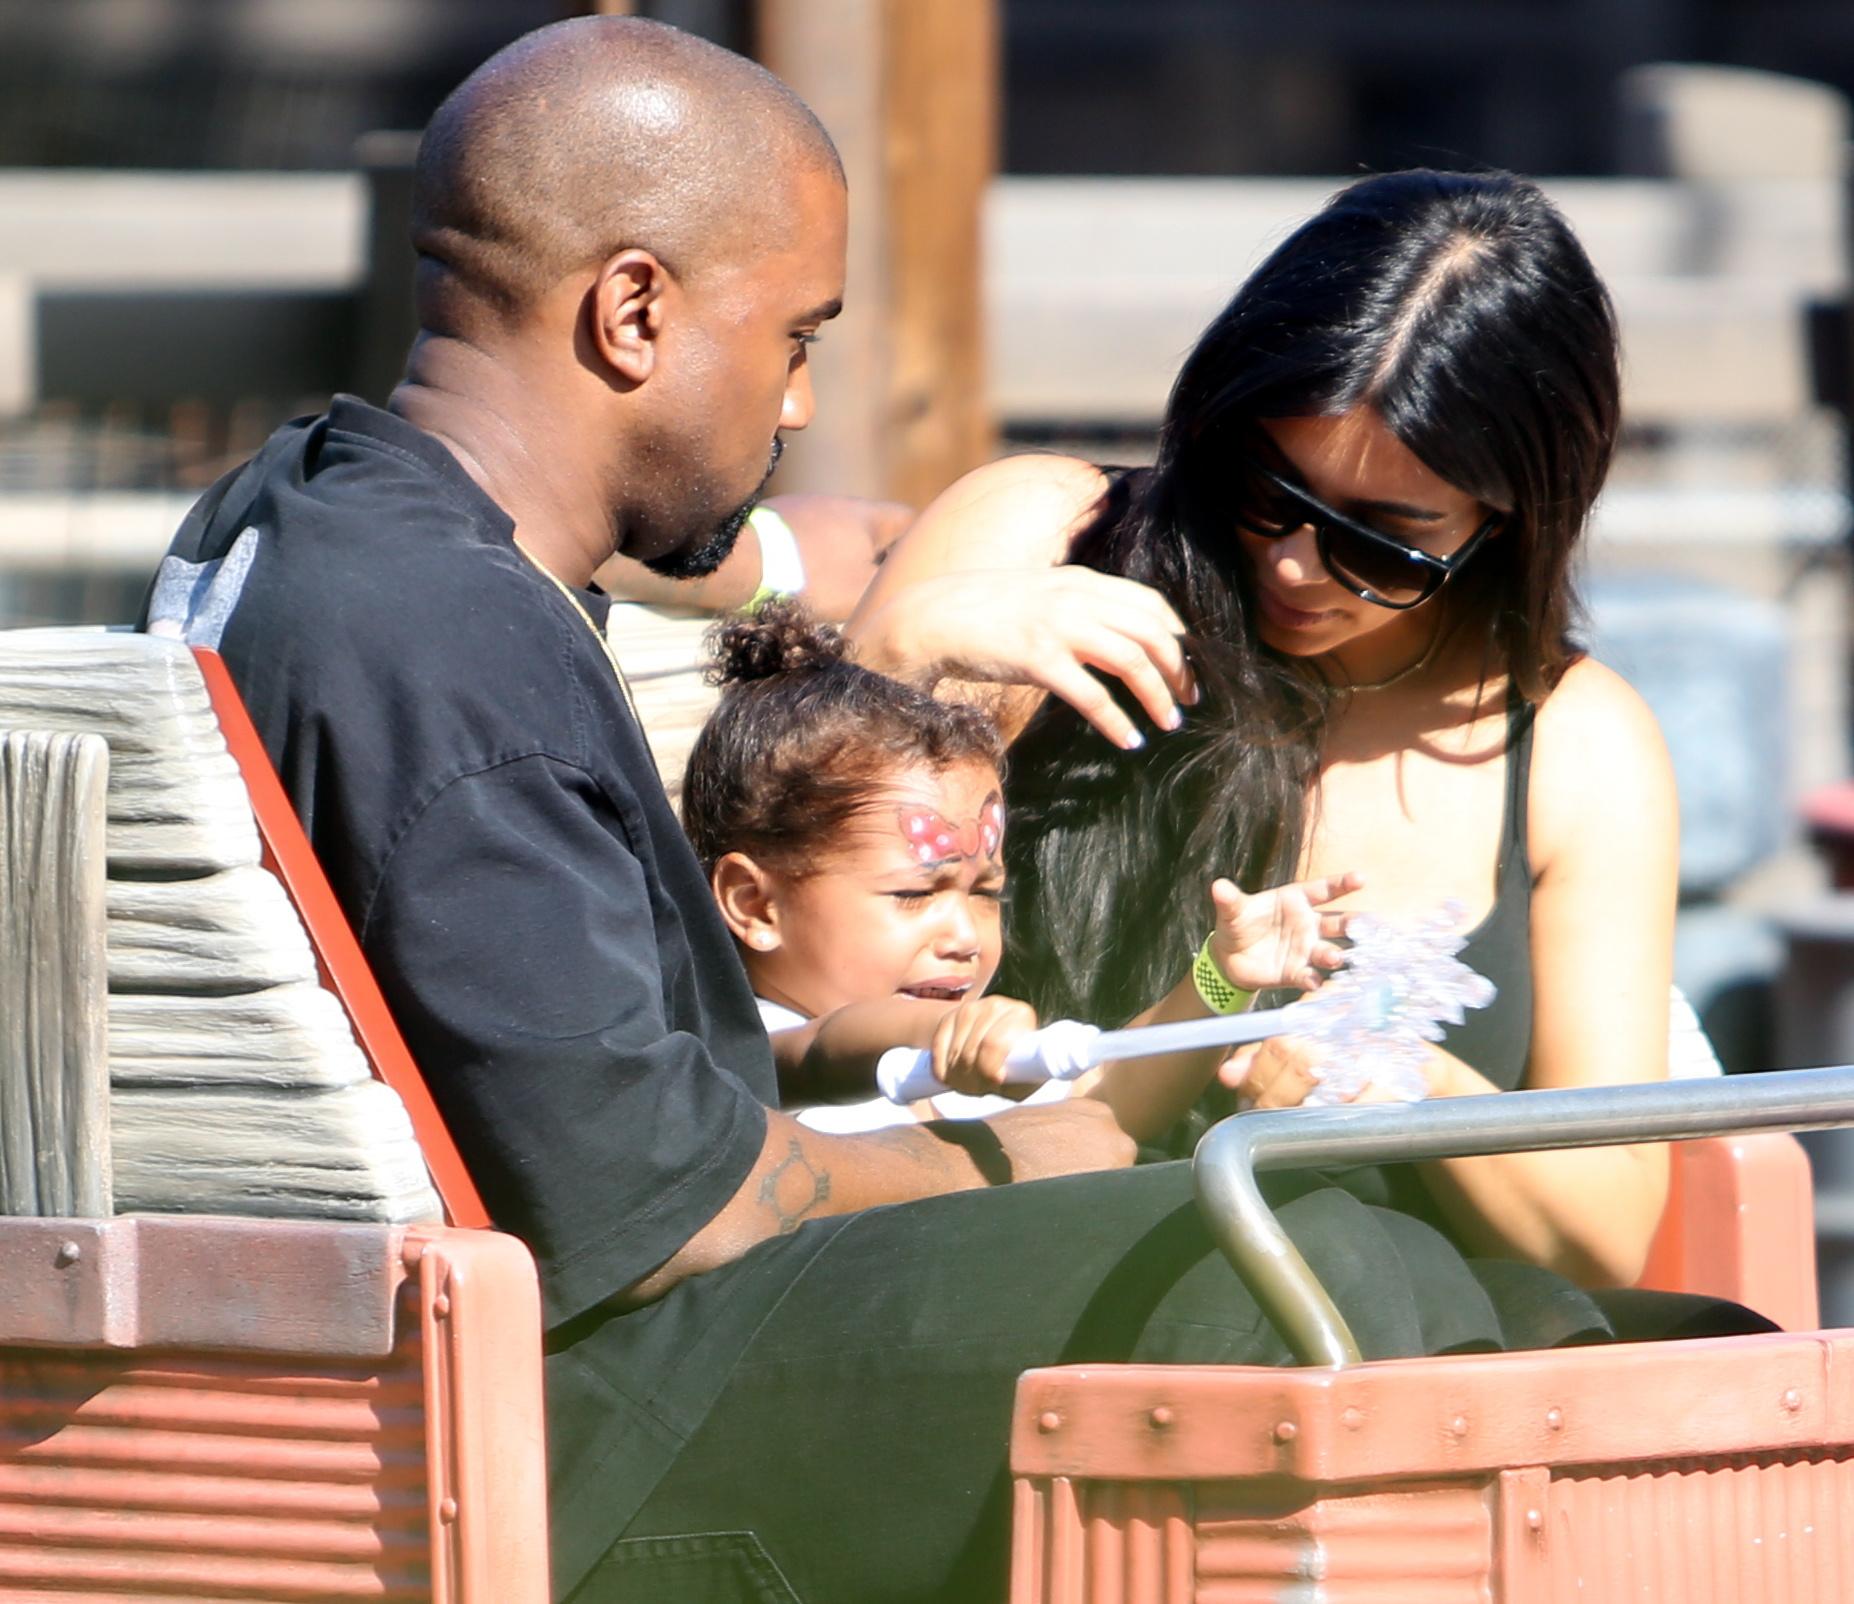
761, 938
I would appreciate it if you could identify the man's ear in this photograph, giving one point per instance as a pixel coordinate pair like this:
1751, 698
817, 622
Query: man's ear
748, 898
627, 311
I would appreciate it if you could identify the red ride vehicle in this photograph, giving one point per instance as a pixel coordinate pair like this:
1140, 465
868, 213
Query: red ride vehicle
206, 1406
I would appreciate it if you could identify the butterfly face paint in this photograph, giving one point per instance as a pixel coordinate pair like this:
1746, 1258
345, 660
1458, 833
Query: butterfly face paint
934, 840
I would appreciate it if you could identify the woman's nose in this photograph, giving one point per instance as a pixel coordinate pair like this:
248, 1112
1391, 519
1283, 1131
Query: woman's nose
1296, 556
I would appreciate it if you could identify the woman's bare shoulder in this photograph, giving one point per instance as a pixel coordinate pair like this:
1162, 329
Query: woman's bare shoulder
1598, 753
1594, 702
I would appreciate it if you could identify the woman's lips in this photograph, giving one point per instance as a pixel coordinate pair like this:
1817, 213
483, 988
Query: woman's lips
1281, 614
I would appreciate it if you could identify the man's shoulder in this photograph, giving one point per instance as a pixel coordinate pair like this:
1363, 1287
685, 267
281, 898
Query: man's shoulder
356, 581
346, 530
354, 461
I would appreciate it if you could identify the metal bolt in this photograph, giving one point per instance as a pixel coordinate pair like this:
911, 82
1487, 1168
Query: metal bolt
1792, 1400
413, 1252
1161, 1417
1353, 1418
1286, 1431
1554, 1418
1535, 1520
1458, 1427
447, 1510
441, 1305
68, 1254
1049, 1420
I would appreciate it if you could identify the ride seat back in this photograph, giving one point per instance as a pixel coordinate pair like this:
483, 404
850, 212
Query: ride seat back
1740, 1224
236, 1084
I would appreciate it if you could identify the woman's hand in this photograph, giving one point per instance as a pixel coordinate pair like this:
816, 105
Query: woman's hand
1045, 628
1279, 937
971, 1043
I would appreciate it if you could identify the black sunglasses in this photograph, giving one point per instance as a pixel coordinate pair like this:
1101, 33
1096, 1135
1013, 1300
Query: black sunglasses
1374, 566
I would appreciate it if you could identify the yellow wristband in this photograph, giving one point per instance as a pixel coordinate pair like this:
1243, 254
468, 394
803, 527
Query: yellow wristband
1217, 994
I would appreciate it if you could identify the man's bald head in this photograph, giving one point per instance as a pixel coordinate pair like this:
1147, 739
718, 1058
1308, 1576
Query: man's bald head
592, 136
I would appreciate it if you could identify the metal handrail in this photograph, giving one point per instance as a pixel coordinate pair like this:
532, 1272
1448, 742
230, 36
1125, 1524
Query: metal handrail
1234, 1151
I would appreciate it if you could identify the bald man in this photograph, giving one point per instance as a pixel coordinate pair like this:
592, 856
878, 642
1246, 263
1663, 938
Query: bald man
759, 1387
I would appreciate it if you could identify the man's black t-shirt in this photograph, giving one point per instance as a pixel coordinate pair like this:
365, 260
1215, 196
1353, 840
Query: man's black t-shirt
464, 762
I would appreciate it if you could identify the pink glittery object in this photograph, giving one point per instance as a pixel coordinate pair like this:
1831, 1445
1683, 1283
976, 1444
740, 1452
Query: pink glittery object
1401, 985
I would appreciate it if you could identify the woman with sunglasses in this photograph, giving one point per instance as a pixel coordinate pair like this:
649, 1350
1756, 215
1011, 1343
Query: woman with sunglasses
1336, 615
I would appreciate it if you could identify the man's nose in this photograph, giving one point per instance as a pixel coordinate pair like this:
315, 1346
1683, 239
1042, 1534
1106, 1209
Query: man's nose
799, 403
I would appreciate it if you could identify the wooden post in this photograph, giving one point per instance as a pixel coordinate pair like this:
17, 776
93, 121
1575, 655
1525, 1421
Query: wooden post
909, 91
941, 80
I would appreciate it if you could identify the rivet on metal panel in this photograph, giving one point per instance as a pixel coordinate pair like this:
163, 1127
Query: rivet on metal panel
1792, 1400
1049, 1420
414, 1251
1161, 1417
1353, 1419
441, 1305
67, 1255
447, 1510
1458, 1427
1286, 1431
1535, 1520
1554, 1419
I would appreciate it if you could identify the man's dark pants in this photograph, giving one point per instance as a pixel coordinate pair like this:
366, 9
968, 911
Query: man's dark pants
857, 1454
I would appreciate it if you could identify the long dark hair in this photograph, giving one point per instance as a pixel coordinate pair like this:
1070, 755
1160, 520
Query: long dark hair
803, 737
1463, 310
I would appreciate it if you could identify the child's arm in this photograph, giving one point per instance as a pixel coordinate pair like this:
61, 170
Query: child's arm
833, 1057
1274, 938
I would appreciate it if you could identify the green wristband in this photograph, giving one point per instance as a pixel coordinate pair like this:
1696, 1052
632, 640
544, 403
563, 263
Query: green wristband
1217, 994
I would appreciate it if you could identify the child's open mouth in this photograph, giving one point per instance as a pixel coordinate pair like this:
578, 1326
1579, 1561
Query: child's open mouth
938, 990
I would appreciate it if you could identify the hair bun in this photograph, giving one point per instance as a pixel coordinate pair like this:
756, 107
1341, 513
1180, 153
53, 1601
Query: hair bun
781, 638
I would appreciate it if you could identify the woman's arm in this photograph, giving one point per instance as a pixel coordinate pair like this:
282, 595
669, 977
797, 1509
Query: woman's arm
977, 593
1604, 859
1605, 853
1017, 512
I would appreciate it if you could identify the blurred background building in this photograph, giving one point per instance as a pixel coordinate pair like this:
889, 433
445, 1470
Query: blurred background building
201, 234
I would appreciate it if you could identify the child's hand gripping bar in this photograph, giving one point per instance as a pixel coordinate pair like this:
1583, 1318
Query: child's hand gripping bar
1061, 1050
1066, 1049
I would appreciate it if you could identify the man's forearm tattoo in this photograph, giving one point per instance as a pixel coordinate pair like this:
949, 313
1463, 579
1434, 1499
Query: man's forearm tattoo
793, 1187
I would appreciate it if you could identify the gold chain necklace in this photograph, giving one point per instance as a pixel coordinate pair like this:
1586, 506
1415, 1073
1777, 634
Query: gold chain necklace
1408, 671
605, 645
